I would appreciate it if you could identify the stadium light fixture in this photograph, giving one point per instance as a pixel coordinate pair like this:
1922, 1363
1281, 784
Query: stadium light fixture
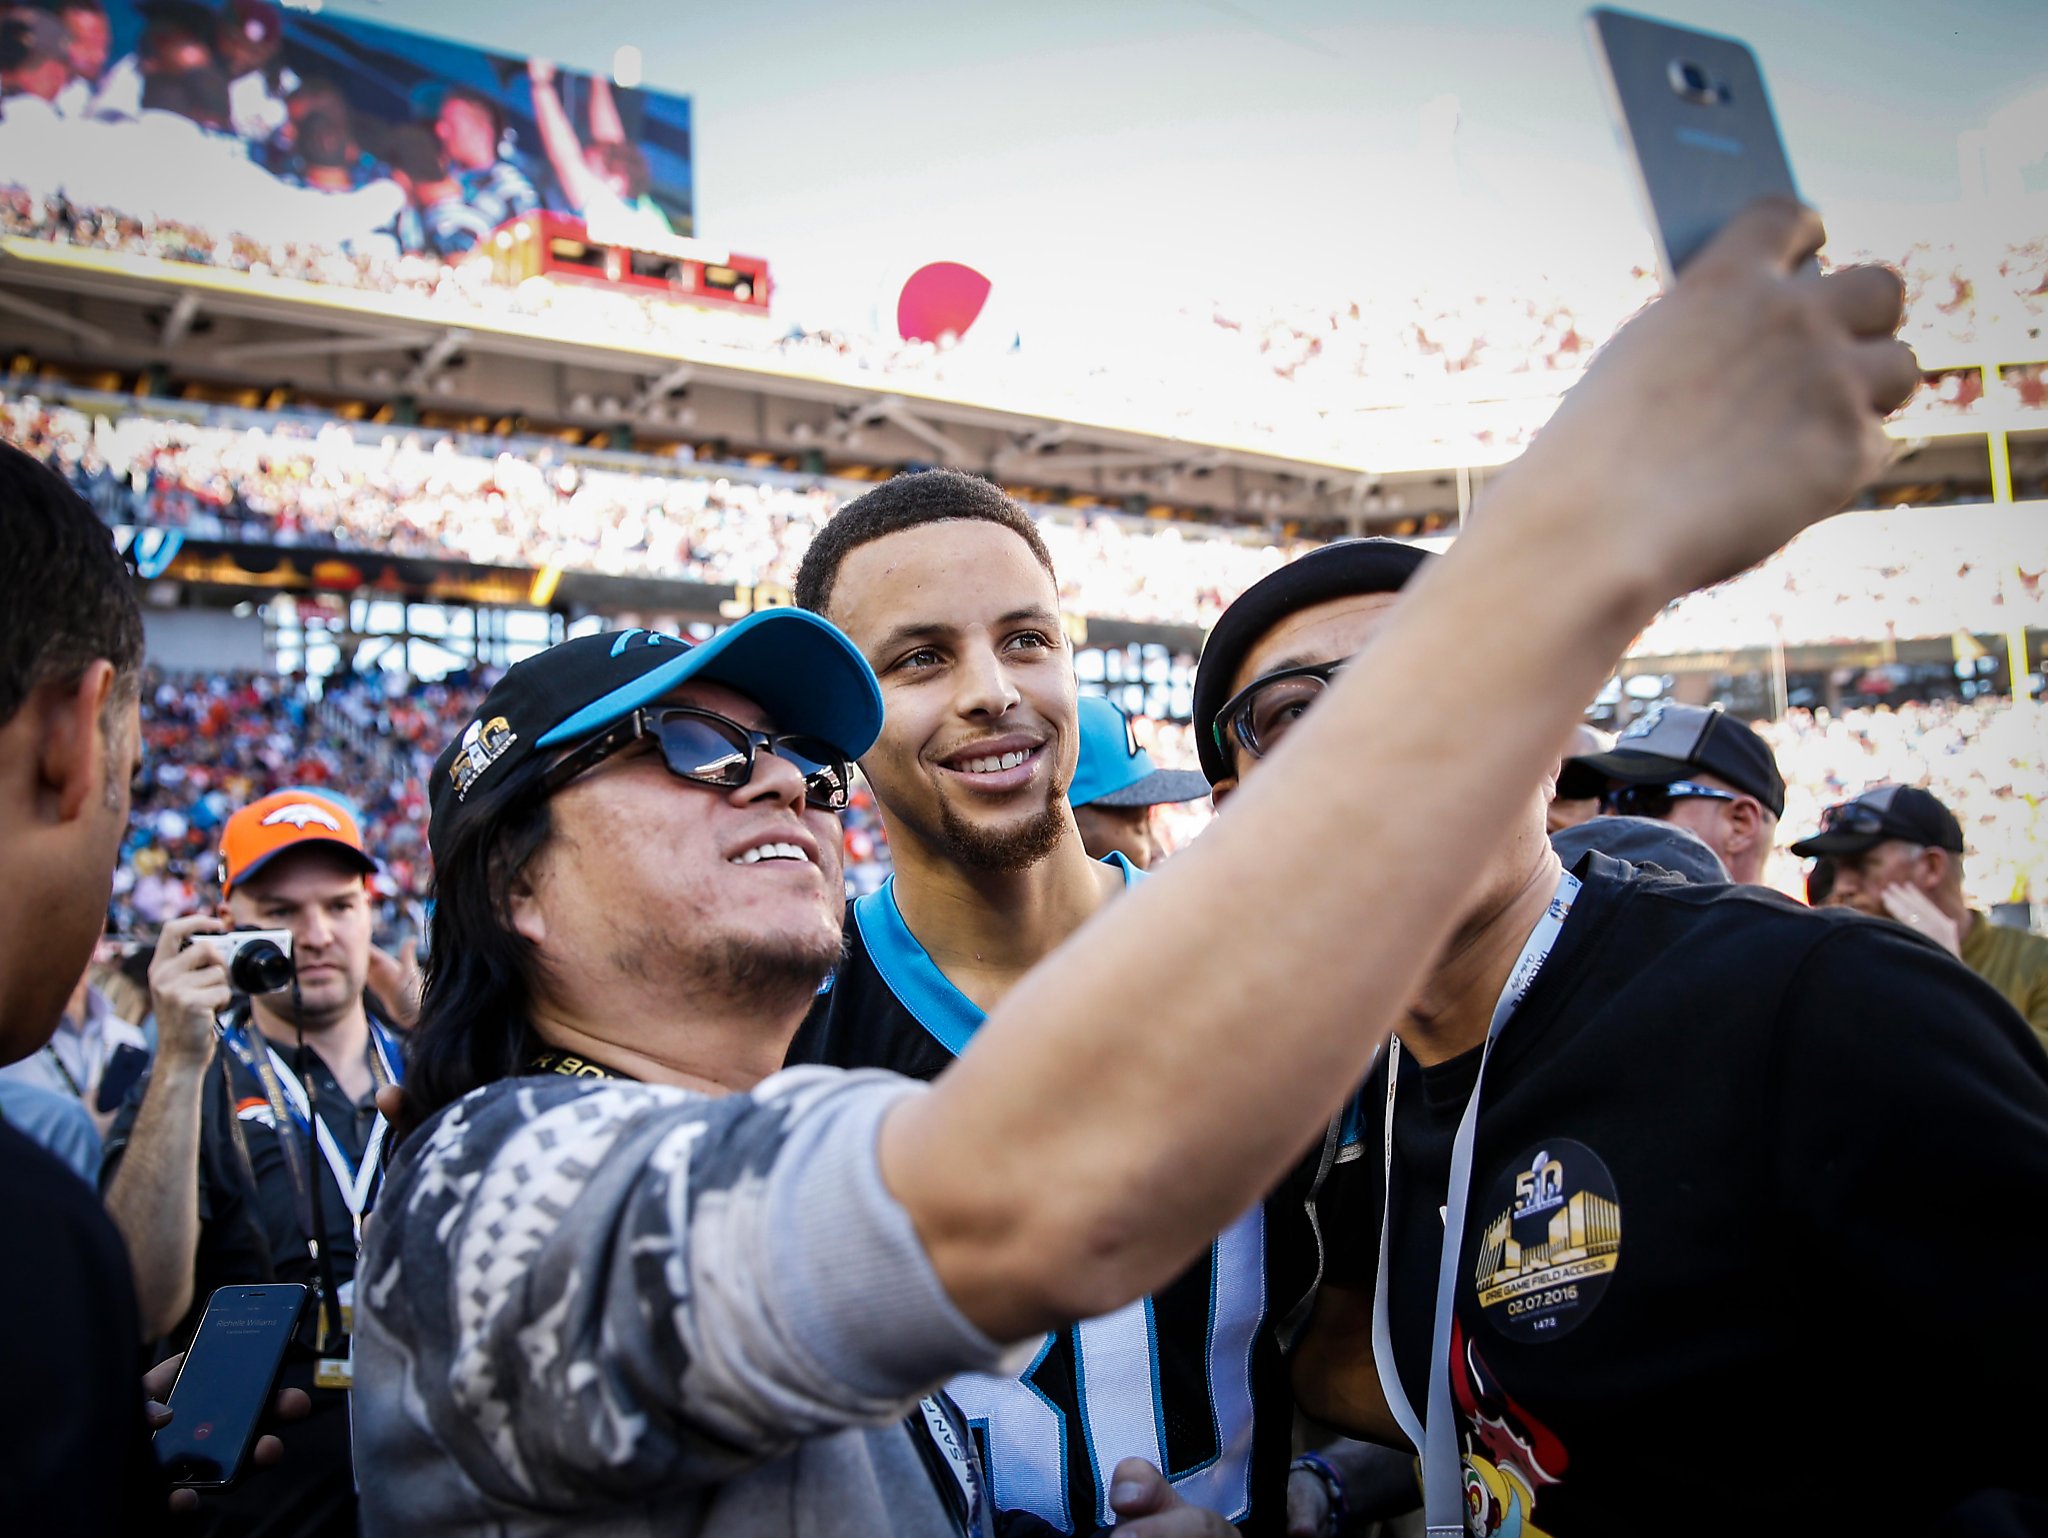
626, 66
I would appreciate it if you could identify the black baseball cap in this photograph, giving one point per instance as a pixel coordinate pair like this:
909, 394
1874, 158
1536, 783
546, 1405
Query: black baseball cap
1669, 742
798, 667
1345, 568
1889, 811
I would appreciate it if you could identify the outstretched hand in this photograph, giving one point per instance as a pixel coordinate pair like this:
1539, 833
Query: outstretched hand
1745, 405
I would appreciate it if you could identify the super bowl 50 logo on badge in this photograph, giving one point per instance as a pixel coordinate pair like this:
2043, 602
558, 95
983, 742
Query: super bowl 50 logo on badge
1550, 1251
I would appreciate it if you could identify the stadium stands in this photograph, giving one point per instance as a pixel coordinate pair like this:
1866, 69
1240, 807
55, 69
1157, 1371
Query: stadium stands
1433, 377
298, 480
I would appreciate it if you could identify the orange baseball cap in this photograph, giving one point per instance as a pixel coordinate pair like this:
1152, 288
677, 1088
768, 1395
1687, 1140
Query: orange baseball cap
286, 819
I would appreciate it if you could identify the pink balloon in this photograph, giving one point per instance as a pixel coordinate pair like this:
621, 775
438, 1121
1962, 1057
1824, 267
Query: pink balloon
940, 297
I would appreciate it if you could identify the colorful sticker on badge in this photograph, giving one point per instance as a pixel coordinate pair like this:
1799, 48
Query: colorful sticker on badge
1552, 1246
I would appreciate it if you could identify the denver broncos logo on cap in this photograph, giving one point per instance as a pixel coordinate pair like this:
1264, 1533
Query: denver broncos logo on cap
299, 813
482, 746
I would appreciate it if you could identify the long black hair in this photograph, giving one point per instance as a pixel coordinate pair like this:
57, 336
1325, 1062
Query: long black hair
476, 1011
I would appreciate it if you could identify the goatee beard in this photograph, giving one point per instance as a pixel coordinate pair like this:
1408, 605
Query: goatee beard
1010, 850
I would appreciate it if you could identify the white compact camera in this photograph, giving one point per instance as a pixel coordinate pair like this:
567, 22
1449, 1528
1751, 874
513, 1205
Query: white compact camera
258, 960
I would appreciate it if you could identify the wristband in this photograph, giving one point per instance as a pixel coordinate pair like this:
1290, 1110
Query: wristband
1333, 1487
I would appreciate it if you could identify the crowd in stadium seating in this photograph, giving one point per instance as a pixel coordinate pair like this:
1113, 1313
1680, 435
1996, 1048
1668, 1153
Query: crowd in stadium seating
1902, 573
522, 503
216, 742
1389, 378
1982, 758
297, 481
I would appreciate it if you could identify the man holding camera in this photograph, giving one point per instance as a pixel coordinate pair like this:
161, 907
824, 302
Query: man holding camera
252, 1151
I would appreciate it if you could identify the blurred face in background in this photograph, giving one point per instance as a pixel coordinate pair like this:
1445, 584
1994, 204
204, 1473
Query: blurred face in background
89, 40
170, 50
1861, 878
244, 50
1124, 830
467, 132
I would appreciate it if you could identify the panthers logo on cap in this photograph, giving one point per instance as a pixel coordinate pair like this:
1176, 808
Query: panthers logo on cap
482, 746
299, 813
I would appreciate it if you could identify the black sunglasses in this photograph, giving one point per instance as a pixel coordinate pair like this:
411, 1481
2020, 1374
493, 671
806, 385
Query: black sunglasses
709, 749
1655, 800
1259, 714
1852, 817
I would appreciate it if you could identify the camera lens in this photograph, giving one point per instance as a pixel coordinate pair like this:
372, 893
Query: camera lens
260, 967
1692, 80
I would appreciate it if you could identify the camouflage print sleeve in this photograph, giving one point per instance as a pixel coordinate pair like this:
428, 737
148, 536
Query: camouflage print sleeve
582, 1289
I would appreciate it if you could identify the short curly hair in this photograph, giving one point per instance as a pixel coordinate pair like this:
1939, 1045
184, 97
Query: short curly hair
909, 502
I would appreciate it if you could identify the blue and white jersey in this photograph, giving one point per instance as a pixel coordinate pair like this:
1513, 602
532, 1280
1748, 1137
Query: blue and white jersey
1191, 1378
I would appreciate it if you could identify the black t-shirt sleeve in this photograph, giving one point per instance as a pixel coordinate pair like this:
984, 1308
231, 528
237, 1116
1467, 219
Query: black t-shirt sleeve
1911, 1159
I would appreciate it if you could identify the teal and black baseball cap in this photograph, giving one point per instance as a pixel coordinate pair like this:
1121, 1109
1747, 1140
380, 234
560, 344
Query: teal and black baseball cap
1115, 771
799, 668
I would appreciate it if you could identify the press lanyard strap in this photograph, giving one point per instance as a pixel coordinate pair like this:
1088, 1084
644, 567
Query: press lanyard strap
70, 1080
359, 1181
1443, 1484
570, 1065
288, 1106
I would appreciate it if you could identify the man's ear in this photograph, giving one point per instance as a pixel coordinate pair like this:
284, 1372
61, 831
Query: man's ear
1748, 818
1219, 790
72, 750
1933, 867
523, 903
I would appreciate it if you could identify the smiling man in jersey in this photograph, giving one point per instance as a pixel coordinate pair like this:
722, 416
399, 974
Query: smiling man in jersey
1690, 1257
945, 586
215, 1172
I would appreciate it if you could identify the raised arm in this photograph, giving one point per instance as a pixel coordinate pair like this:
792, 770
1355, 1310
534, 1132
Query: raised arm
558, 137
606, 126
1147, 1084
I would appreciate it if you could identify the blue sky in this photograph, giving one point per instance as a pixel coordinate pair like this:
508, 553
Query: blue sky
1190, 146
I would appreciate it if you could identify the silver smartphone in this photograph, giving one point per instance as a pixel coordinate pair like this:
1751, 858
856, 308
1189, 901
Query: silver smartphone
1693, 115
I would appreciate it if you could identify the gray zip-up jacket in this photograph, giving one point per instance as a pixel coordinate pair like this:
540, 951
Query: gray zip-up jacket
629, 1310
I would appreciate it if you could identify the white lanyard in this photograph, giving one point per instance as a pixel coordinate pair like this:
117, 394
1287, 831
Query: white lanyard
1443, 1485
356, 1184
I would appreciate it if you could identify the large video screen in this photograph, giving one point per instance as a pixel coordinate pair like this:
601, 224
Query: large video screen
237, 117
